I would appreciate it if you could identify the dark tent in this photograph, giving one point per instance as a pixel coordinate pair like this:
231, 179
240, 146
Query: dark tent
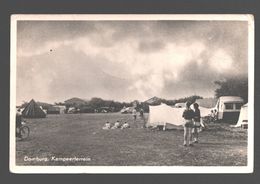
33, 110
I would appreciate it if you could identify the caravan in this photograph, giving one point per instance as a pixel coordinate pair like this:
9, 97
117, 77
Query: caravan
228, 108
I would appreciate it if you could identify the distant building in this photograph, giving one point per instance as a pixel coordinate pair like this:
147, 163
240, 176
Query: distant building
62, 108
56, 109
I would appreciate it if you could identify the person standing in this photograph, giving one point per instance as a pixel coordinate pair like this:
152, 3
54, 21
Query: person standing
212, 116
215, 115
196, 119
142, 117
134, 113
188, 115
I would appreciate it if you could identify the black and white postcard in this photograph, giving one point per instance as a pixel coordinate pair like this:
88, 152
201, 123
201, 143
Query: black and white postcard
132, 93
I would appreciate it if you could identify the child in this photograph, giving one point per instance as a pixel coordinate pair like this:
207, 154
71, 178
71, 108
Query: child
106, 126
116, 125
125, 125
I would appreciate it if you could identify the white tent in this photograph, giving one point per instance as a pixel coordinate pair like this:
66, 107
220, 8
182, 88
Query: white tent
243, 117
164, 114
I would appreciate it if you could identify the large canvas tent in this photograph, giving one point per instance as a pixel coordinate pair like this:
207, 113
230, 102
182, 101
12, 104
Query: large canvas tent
243, 116
162, 114
33, 110
167, 116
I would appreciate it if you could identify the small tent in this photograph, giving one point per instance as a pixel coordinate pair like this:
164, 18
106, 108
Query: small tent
33, 110
243, 117
166, 115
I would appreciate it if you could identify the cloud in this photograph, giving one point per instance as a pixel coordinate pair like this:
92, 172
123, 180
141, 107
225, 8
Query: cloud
127, 60
151, 46
220, 61
45, 48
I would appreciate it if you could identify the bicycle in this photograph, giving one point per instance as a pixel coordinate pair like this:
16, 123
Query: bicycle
24, 131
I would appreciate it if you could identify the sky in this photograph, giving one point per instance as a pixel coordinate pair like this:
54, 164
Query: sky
127, 60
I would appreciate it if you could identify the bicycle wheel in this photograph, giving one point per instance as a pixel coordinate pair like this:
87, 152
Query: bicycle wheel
25, 132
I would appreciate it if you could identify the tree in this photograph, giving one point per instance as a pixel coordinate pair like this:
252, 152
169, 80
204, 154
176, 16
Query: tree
191, 99
232, 87
96, 102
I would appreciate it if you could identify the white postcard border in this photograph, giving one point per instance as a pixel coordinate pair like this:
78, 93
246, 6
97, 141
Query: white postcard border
133, 169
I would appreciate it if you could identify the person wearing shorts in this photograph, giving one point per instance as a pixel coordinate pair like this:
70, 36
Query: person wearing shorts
188, 116
196, 119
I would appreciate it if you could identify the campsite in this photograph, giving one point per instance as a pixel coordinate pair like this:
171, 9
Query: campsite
132, 92
80, 135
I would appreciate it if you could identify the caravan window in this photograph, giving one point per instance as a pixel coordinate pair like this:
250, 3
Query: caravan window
238, 106
228, 106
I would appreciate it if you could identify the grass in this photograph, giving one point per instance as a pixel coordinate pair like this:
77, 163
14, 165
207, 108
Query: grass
81, 135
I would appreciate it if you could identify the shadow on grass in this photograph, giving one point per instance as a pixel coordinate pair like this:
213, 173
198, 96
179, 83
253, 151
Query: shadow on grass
210, 143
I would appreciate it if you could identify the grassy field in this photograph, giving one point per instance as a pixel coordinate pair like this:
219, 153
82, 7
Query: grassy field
81, 136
